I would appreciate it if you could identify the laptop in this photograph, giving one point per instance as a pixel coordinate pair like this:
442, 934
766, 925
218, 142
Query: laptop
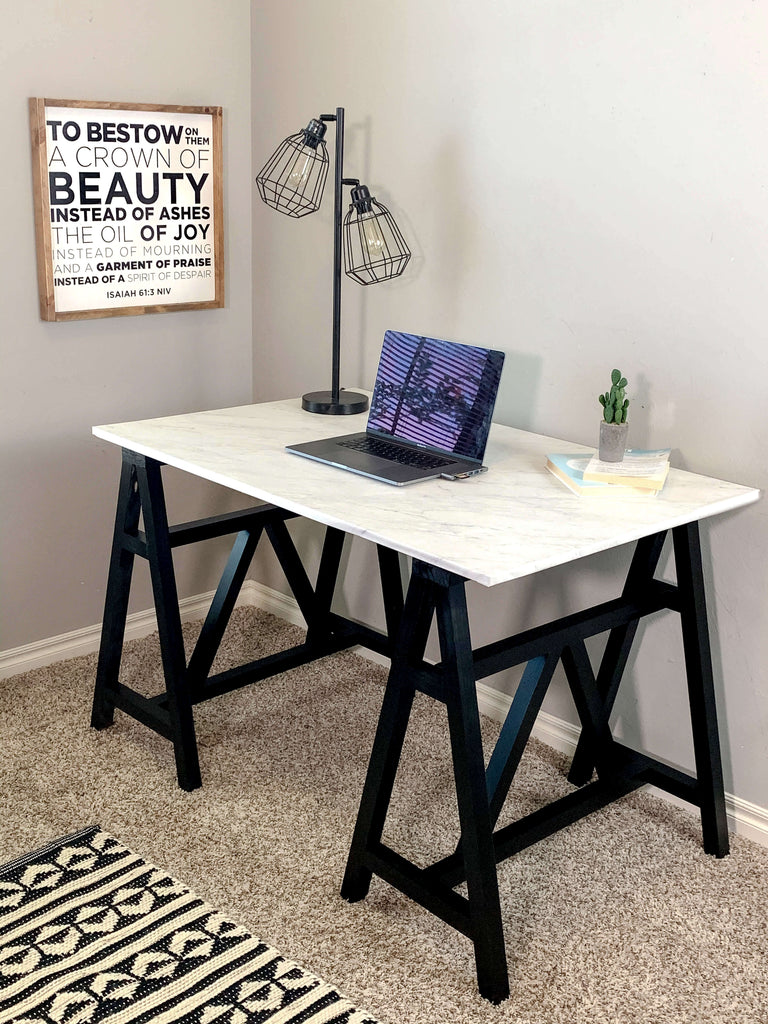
430, 414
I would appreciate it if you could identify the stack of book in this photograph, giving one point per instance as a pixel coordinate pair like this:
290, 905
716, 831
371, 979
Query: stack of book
641, 474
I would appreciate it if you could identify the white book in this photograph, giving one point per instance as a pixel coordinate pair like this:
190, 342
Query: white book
639, 467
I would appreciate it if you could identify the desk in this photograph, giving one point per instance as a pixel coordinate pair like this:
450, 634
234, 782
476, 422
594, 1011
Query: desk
509, 523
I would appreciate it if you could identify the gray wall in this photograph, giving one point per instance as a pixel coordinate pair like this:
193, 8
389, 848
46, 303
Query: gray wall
583, 185
57, 483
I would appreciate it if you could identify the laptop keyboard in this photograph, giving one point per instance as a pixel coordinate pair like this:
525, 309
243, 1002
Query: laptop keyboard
394, 453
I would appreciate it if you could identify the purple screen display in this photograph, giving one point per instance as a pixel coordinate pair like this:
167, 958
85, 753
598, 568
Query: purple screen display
435, 393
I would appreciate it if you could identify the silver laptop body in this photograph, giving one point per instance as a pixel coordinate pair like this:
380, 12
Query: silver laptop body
430, 413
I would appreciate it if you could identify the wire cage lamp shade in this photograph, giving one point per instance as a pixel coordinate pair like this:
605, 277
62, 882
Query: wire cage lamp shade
374, 247
293, 179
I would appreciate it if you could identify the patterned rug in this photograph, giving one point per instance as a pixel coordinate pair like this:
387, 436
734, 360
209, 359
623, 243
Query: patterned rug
90, 932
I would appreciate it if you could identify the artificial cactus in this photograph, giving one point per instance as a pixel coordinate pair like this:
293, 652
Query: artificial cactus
614, 403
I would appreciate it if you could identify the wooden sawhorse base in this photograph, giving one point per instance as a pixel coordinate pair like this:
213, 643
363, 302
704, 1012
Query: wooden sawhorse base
140, 494
480, 793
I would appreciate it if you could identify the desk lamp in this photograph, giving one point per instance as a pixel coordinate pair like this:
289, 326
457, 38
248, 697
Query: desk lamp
292, 182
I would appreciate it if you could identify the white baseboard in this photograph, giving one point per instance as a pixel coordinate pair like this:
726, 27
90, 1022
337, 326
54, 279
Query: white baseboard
138, 624
86, 640
744, 818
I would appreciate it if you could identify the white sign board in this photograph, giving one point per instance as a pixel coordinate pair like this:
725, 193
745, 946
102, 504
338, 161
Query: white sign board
128, 205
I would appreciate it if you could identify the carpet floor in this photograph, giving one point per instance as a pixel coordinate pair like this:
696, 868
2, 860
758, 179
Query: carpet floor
619, 919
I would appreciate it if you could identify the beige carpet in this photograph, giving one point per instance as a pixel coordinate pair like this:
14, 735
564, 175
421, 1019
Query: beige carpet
621, 919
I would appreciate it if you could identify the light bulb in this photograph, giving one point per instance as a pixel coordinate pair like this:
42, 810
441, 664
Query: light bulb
374, 240
302, 165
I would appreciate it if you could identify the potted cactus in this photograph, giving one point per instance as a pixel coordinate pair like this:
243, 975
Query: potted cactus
613, 426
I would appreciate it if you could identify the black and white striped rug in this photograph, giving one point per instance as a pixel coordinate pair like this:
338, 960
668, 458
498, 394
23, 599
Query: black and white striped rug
90, 932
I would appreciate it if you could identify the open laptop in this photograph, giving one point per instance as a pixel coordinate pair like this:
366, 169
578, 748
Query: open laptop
430, 413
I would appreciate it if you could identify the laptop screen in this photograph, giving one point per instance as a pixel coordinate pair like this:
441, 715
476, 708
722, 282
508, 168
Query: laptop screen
437, 394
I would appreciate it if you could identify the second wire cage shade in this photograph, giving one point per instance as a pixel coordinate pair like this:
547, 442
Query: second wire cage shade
374, 248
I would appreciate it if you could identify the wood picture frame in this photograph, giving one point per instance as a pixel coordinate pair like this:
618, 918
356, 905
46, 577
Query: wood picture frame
128, 204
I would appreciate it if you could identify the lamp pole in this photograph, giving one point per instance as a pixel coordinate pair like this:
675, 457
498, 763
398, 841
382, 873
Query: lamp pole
334, 402
337, 198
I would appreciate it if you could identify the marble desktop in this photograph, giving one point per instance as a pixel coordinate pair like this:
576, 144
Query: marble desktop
512, 521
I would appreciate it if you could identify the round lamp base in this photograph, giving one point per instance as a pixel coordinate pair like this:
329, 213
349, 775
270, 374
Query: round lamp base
348, 403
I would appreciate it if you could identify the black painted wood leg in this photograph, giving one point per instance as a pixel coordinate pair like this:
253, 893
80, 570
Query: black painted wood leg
391, 591
471, 793
433, 590
117, 594
314, 602
168, 622
390, 735
701, 688
644, 563
506, 756
516, 730
222, 606
318, 627
591, 707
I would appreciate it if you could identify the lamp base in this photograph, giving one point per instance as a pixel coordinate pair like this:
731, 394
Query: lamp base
348, 403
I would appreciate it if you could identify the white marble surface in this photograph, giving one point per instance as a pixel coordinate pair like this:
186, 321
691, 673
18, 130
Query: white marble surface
507, 523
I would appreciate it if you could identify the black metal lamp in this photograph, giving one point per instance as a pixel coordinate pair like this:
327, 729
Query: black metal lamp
292, 182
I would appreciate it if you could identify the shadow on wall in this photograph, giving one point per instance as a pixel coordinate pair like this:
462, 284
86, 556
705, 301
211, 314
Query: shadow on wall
357, 299
520, 384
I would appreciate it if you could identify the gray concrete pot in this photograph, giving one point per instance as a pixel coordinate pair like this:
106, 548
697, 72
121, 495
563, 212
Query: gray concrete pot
613, 441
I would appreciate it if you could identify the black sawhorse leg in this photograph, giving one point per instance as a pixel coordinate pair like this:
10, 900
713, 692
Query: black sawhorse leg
140, 497
141, 493
701, 688
479, 914
481, 793
688, 599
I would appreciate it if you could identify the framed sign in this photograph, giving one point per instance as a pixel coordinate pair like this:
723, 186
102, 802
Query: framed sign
128, 208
